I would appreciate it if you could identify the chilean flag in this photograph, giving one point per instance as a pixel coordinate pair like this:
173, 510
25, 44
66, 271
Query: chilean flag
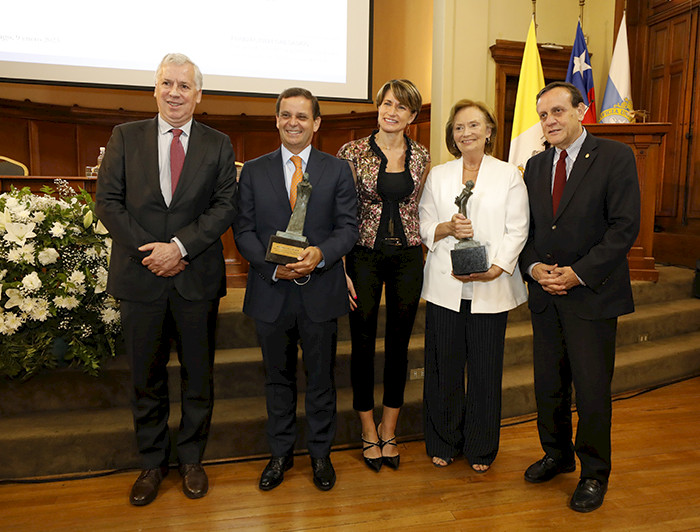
580, 74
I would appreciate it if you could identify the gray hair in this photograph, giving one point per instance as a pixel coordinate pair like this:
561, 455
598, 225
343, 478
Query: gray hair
180, 59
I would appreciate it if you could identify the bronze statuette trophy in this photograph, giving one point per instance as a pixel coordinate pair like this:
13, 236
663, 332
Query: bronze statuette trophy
285, 246
468, 256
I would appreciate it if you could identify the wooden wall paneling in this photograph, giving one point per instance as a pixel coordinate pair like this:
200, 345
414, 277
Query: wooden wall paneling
57, 146
693, 169
34, 154
659, 96
14, 140
682, 77
638, 39
665, 9
669, 102
421, 133
361, 132
259, 143
331, 141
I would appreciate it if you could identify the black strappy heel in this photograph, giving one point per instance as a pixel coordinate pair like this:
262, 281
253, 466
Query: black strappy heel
390, 461
375, 464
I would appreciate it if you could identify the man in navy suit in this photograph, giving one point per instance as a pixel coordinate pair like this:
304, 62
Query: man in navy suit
300, 301
165, 193
584, 218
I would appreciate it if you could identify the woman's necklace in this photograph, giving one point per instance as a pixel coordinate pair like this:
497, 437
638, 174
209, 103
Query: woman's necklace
470, 173
385, 147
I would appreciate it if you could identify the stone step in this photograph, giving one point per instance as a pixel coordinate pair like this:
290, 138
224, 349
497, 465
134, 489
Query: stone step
637, 366
240, 373
46, 443
235, 329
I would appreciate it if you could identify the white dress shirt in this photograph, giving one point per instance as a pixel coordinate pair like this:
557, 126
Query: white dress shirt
165, 138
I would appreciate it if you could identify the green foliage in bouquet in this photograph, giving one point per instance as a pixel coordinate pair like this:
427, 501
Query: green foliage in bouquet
54, 310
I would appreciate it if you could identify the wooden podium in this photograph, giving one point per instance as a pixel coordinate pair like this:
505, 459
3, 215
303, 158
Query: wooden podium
645, 141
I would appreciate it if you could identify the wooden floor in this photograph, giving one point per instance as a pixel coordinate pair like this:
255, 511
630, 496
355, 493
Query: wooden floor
655, 485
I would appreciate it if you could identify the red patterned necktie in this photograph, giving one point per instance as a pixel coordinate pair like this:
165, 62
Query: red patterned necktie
296, 179
177, 158
559, 181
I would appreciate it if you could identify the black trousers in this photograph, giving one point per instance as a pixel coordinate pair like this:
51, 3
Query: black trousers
455, 421
400, 271
279, 341
147, 347
568, 349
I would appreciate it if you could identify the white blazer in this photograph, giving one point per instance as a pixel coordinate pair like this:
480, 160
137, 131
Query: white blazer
500, 216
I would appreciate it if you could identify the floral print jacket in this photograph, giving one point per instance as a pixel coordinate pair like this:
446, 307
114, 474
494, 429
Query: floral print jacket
368, 160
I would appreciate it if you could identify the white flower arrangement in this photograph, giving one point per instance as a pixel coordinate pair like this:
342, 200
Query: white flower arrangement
54, 309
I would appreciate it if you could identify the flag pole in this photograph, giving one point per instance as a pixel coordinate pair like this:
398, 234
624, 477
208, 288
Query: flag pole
581, 4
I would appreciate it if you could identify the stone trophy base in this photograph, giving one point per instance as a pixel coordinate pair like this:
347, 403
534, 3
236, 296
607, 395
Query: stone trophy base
471, 259
285, 247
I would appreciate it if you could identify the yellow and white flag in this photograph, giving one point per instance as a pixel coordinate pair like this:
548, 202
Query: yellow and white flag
527, 139
617, 101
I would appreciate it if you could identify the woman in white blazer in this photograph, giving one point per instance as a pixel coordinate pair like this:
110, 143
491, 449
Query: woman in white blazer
466, 315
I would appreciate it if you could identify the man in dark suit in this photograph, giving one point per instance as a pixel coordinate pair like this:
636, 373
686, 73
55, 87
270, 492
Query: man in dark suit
302, 300
584, 218
165, 193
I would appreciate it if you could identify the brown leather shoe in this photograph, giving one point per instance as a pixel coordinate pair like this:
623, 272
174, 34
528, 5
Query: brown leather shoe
195, 483
145, 488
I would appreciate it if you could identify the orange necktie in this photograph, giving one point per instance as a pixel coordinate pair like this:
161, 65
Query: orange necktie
296, 179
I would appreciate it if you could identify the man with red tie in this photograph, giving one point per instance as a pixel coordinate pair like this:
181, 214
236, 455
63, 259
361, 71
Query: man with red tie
584, 218
165, 192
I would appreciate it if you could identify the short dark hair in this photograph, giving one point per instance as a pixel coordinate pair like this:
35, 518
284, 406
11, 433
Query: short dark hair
298, 91
405, 91
576, 97
490, 122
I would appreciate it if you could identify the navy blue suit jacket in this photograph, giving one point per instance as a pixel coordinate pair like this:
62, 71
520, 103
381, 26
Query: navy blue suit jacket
331, 225
592, 231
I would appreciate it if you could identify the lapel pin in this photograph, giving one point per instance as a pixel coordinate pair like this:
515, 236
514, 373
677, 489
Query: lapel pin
587, 155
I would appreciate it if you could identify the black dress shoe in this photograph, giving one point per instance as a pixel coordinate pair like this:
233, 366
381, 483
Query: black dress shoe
195, 483
273, 474
145, 488
588, 496
546, 469
324, 474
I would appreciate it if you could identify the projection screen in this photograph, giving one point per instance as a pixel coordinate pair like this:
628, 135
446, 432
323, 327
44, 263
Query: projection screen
250, 47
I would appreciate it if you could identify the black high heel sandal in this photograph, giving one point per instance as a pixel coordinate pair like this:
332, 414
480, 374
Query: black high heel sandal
390, 461
375, 464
